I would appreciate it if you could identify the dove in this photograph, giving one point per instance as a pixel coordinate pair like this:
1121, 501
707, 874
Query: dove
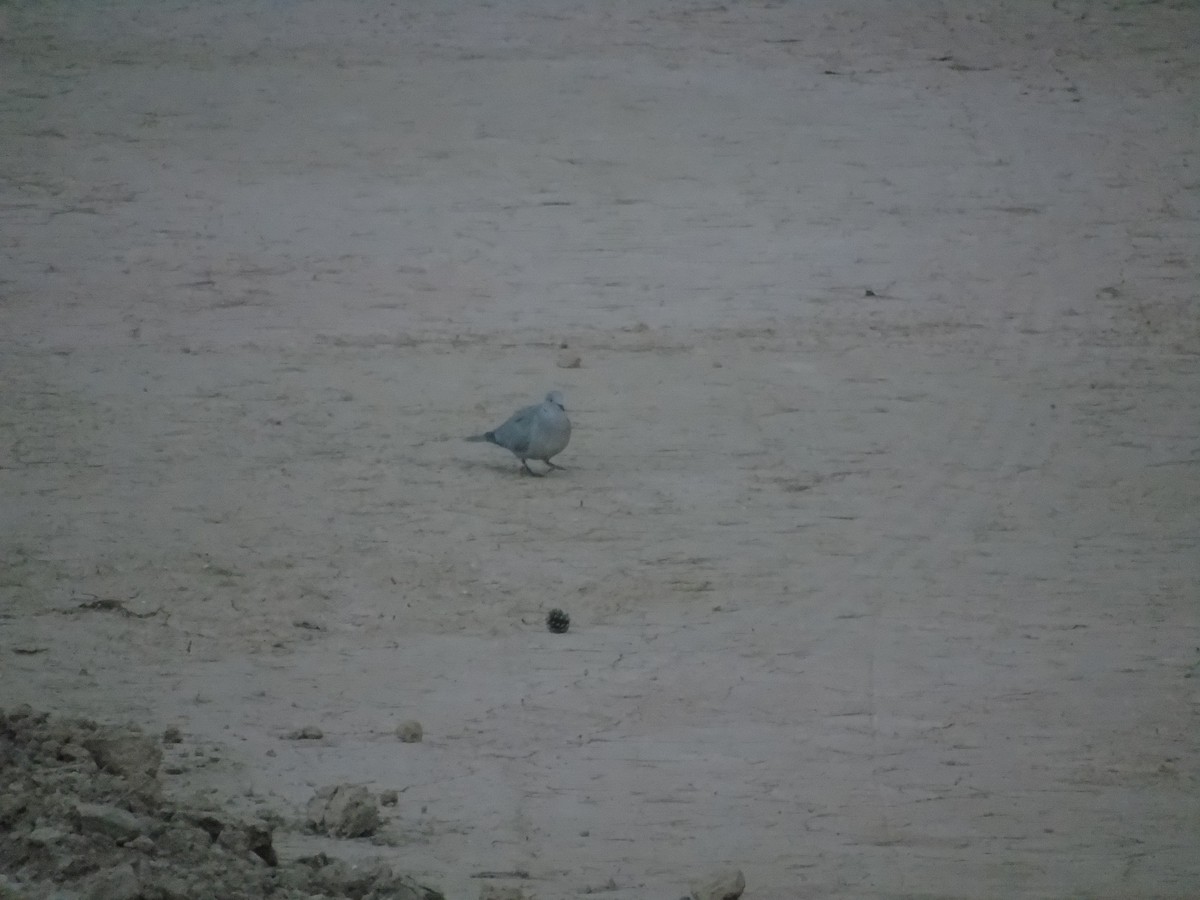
534, 432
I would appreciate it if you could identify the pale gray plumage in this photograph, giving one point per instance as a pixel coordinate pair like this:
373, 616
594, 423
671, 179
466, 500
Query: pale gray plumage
534, 432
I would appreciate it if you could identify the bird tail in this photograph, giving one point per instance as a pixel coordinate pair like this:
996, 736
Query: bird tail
489, 436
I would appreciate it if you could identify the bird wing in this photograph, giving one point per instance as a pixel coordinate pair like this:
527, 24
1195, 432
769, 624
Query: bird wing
517, 431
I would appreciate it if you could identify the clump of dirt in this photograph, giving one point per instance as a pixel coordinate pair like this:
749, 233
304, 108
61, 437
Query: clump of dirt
83, 817
343, 810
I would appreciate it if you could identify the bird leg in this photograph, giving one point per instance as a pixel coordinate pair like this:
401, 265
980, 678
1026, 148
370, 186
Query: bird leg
525, 470
555, 466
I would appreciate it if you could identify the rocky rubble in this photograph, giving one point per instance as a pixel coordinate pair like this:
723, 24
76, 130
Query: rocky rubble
343, 810
82, 817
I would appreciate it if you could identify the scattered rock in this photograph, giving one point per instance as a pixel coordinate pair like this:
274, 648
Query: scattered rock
500, 892
727, 884
336, 877
12, 805
568, 360
294, 877
343, 810
70, 834
307, 733
168, 885
118, 824
205, 821
185, 841
404, 887
45, 836
606, 888
245, 838
410, 732
129, 754
344, 880
125, 754
25, 711
371, 879
172, 736
142, 844
118, 883
69, 752
389, 798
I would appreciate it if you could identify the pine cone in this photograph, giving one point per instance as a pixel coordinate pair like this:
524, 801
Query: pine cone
558, 621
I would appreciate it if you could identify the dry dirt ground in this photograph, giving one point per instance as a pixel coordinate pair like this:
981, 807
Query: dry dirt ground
879, 530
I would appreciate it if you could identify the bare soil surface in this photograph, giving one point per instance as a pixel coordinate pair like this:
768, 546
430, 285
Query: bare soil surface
879, 527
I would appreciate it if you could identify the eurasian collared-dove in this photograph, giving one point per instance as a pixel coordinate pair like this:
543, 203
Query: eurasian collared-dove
535, 432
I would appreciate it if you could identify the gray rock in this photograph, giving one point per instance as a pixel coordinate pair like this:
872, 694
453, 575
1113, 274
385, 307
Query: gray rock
294, 877
344, 880
128, 754
142, 844
118, 883
119, 824
252, 837
404, 887
410, 732
501, 892
164, 884
307, 733
183, 840
12, 805
45, 836
76, 753
344, 810
727, 884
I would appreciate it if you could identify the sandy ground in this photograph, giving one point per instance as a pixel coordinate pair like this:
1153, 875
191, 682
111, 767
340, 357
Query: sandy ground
879, 532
